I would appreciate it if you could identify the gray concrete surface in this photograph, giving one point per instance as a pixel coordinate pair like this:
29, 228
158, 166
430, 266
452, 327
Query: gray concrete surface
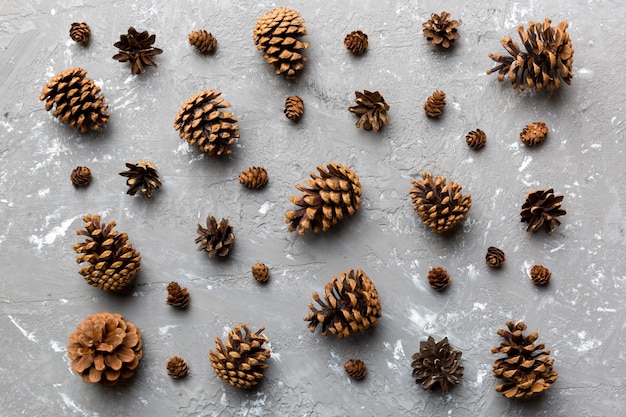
580, 316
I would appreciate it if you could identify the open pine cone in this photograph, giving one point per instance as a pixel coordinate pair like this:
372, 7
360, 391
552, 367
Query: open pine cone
547, 60
437, 364
136, 48
177, 296
435, 103
371, 109
105, 348
541, 209
203, 41
440, 30
142, 176
351, 305
80, 32
216, 239
356, 42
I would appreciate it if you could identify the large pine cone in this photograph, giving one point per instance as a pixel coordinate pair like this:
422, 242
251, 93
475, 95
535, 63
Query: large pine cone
525, 370
240, 361
276, 34
356, 41
435, 103
80, 32
203, 41
137, 48
547, 60
437, 364
541, 209
142, 176
105, 348
333, 195
441, 206
202, 120
177, 296
112, 261
216, 239
77, 99
440, 30
371, 109
351, 305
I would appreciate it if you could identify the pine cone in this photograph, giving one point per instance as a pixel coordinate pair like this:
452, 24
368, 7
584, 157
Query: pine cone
434, 104
437, 363
294, 108
356, 42
216, 239
202, 120
541, 209
440, 30
526, 369
438, 278
371, 109
534, 134
476, 139
80, 176
177, 367
540, 275
547, 60
495, 257
77, 99
143, 176
80, 32
260, 272
276, 34
333, 195
441, 206
204, 41
351, 306
177, 296
105, 348
355, 368
241, 360
254, 177
137, 48
112, 261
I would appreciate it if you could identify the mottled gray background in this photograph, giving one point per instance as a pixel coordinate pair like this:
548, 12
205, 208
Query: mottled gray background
580, 316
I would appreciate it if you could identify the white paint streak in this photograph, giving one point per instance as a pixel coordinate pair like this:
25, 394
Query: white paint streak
75, 407
30, 336
56, 346
265, 207
163, 331
52, 235
527, 160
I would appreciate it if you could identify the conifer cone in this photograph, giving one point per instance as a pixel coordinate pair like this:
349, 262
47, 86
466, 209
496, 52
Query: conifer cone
356, 42
80, 176
331, 196
254, 177
260, 272
177, 367
80, 32
177, 296
437, 364
276, 33
495, 257
435, 103
137, 48
112, 260
216, 239
540, 275
547, 60
355, 368
441, 206
294, 108
371, 109
438, 278
142, 176
541, 209
525, 370
105, 348
440, 30
351, 305
203, 41
534, 134
476, 139
202, 120
240, 360
77, 99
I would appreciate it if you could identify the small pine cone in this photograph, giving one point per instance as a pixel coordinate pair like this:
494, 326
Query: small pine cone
534, 134
77, 99
80, 176
476, 139
434, 104
80, 32
437, 364
177, 296
355, 368
260, 272
142, 176
204, 41
137, 48
294, 108
541, 209
356, 42
254, 177
495, 257
216, 239
177, 367
371, 109
440, 30
438, 278
540, 275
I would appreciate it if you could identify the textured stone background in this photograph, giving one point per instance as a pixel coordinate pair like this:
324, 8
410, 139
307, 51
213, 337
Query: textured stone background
580, 316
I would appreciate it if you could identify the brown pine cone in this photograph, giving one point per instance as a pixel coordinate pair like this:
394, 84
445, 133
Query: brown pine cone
534, 134
434, 104
80, 32
440, 30
540, 275
136, 47
495, 257
177, 367
254, 177
437, 364
371, 109
80, 176
260, 272
438, 278
541, 209
476, 139
142, 176
177, 296
204, 41
355, 368
294, 108
216, 239
356, 42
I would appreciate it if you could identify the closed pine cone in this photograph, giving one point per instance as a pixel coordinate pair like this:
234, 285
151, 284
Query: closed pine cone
434, 104
77, 99
105, 348
526, 369
177, 296
355, 368
534, 134
495, 257
203, 41
254, 177
202, 120
437, 364
240, 361
112, 260
371, 109
331, 196
80, 176
540, 275
476, 139
177, 367
216, 239
80, 32
260, 272
294, 108
142, 176
351, 305
541, 209
438, 278
440, 30
276, 34
137, 48
356, 42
